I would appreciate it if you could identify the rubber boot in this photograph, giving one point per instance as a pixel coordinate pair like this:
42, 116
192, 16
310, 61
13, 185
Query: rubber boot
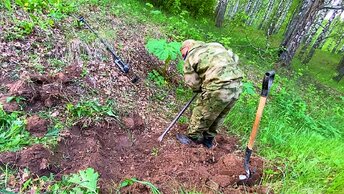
184, 139
208, 142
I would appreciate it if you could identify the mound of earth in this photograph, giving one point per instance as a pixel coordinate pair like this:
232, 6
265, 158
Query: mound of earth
37, 126
36, 158
118, 153
41, 91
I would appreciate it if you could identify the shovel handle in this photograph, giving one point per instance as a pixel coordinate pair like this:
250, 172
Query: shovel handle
256, 122
176, 118
267, 83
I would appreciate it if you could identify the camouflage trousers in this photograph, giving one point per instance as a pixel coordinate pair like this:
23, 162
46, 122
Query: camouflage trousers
211, 109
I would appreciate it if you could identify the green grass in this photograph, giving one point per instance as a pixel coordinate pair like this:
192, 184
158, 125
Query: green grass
13, 133
84, 181
301, 135
131, 181
322, 68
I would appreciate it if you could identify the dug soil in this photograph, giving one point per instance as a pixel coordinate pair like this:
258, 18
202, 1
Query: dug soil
120, 152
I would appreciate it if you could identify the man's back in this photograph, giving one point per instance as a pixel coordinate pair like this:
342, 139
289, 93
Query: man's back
214, 65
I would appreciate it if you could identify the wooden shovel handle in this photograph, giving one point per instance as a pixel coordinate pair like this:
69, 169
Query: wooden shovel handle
256, 122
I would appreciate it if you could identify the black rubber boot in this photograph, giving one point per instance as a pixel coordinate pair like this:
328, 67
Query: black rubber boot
184, 139
208, 142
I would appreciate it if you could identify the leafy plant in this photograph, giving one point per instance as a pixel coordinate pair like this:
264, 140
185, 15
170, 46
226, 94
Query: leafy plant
157, 78
86, 181
90, 111
164, 51
183, 120
155, 151
131, 181
17, 99
12, 131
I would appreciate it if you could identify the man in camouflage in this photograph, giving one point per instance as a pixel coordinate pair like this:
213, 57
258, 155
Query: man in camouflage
211, 70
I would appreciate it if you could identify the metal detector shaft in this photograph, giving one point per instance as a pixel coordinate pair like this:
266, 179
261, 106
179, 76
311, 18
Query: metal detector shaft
177, 117
120, 64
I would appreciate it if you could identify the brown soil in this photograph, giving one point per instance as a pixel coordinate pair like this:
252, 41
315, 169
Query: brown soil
117, 154
8, 106
37, 126
41, 91
36, 158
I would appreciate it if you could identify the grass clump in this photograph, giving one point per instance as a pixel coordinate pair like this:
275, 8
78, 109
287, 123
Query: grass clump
299, 137
12, 131
131, 181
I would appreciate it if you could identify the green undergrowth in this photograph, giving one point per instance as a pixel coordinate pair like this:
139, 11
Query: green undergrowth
13, 133
89, 111
322, 67
300, 134
84, 181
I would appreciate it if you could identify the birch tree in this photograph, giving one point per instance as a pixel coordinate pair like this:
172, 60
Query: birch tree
313, 30
220, 12
321, 38
234, 10
254, 11
297, 29
283, 16
276, 17
338, 42
267, 15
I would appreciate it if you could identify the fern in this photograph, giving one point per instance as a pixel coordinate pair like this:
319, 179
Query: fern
164, 51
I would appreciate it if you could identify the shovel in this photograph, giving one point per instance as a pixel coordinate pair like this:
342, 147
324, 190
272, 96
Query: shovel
177, 117
267, 83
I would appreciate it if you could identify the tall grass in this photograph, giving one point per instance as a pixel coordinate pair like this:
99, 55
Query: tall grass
302, 140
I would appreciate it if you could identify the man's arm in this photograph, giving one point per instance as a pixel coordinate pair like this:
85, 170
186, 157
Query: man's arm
191, 77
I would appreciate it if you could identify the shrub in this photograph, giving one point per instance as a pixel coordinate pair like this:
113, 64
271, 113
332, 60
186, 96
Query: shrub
195, 7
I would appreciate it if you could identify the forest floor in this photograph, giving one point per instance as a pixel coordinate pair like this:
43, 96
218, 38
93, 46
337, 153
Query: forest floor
118, 147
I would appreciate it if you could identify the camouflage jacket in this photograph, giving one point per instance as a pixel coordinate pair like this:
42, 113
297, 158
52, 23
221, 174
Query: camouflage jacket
210, 66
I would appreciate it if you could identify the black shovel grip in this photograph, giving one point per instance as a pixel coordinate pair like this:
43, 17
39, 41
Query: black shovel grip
267, 83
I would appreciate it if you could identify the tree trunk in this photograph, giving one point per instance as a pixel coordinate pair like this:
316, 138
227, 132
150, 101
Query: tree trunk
267, 14
321, 38
253, 13
276, 18
232, 12
313, 30
248, 6
220, 12
331, 28
283, 17
340, 70
297, 29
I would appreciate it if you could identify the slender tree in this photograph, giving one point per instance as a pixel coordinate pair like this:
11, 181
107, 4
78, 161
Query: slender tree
254, 12
321, 38
297, 29
234, 10
267, 15
339, 40
249, 6
220, 12
283, 16
313, 30
275, 19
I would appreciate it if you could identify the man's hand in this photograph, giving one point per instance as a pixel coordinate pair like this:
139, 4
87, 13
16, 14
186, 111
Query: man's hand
198, 90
